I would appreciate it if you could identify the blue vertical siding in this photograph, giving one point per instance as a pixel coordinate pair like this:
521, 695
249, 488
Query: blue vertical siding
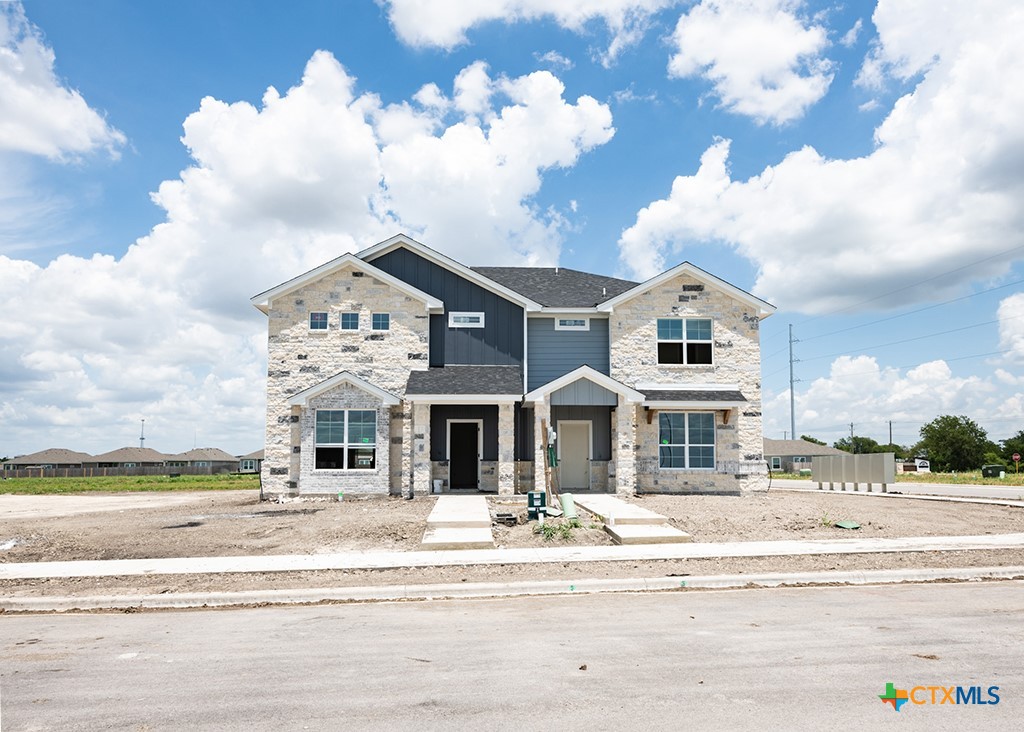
499, 343
553, 353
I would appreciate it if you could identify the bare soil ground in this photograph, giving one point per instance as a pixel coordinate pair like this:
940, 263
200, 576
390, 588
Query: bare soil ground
234, 524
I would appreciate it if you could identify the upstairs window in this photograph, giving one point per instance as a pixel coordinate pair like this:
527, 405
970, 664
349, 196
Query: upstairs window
465, 320
572, 323
686, 440
381, 321
346, 439
318, 321
684, 340
350, 321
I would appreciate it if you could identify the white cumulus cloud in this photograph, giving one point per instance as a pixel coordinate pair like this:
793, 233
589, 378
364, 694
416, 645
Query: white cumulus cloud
166, 331
860, 391
39, 115
1011, 326
762, 58
939, 194
444, 23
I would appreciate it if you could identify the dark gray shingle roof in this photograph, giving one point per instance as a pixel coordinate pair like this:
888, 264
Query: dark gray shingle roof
466, 380
686, 395
557, 288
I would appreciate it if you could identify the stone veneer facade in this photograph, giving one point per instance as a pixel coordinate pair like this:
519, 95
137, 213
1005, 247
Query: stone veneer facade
299, 358
633, 332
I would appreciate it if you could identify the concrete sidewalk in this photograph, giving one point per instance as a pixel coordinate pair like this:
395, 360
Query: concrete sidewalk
1014, 493
393, 593
391, 560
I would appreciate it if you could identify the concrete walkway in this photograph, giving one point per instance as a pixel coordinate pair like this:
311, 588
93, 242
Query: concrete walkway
458, 522
391, 560
628, 523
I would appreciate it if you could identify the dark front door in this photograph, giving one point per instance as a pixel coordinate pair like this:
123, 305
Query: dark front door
463, 456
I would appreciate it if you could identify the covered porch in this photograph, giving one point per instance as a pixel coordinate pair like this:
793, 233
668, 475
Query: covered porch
591, 421
463, 428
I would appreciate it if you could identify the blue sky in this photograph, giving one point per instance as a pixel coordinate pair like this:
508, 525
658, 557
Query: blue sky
860, 165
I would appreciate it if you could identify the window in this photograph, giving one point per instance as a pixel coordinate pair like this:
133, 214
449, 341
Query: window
245, 465
686, 440
572, 323
381, 321
799, 460
318, 321
684, 341
465, 320
776, 463
346, 439
350, 321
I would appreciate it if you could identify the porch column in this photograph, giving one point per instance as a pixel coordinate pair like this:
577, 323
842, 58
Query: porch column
421, 449
625, 453
406, 483
541, 411
506, 449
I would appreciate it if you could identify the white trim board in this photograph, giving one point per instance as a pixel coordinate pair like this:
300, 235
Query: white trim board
401, 240
264, 300
345, 377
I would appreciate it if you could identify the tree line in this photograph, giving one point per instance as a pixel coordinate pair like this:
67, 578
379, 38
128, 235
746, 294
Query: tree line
949, 443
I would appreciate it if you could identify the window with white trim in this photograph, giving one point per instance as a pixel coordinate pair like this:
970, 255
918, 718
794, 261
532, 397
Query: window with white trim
572, 323
247, 464
776, 463
684, 341
349, 321
465, 320
381, 321
318, 321
686, 440
346, 439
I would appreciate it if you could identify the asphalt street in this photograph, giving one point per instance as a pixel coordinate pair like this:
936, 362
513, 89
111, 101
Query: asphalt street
794, 659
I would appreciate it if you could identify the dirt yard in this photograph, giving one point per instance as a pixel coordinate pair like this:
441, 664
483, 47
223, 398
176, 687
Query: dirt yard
232, 524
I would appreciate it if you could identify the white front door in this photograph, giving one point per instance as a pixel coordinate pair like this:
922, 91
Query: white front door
573, 455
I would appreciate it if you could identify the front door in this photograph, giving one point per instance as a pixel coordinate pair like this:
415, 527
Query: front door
574, 455
464, 454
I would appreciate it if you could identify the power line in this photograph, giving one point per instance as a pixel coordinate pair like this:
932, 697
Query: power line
911, 286
909, 366
916, 338
912, 312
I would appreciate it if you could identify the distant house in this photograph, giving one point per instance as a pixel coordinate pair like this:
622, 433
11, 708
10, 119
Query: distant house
55, 457
251, 463
790, 456
127, 457
204, 457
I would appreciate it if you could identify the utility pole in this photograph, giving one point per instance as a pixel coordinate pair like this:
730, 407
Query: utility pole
142, 435
792, 400
890, 431
853, 445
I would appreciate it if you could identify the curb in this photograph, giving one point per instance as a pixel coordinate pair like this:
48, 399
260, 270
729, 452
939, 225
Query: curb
499, 590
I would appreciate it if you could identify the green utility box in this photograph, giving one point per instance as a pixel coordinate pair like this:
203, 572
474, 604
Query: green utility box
993, 471
536, 504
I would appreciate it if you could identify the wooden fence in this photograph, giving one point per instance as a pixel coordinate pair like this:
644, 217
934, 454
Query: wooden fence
103, 472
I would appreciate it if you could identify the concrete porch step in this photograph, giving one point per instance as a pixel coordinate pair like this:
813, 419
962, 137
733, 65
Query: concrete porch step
460, 512
612, 510
457, 538
646, 534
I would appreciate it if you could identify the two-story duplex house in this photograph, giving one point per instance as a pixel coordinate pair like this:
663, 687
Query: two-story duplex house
397, 369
